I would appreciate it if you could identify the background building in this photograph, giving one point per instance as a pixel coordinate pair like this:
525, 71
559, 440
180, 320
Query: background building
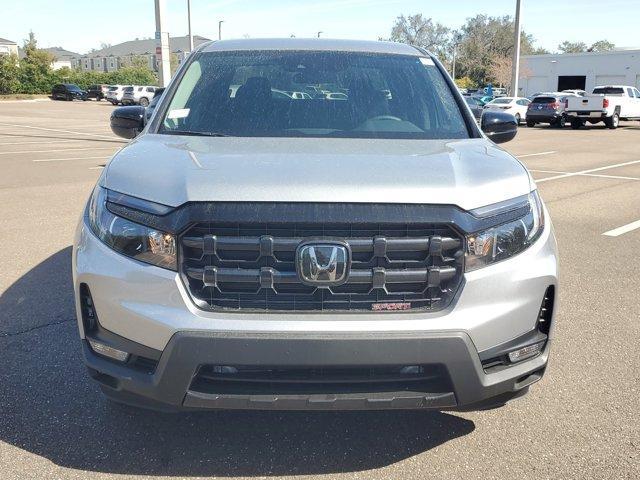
8, 47
63, 58
124, 54
554, 72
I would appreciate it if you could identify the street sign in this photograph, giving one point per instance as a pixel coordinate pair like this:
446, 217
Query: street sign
157, 35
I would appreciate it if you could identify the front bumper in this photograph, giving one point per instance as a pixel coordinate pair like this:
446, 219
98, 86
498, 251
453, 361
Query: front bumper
460, 384
496, 305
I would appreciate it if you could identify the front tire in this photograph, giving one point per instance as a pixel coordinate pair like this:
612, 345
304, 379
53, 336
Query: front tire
144, 102
531, 123
560, 122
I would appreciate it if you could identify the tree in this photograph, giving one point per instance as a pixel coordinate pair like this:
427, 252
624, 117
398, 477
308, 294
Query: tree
602, 46
422, 32
9, 74
572, 47
35, 67
465, 82
501, 71
486, 40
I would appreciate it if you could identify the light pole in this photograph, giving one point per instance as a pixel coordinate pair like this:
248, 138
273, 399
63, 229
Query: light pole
220, 29
189, 23
516, 53
162, 45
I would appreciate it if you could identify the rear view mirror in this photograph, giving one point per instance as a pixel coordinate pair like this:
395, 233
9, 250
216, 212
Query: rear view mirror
500, 127
127, 122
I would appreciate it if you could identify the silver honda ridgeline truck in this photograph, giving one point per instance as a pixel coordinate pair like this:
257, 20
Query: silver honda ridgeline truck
314, 224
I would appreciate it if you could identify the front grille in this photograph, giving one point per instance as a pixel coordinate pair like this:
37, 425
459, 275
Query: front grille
251, 267
252, 380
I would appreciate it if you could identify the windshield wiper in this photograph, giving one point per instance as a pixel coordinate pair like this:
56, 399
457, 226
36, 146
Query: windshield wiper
195, 133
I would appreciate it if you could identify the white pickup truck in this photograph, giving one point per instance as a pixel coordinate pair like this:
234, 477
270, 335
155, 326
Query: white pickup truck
607, 103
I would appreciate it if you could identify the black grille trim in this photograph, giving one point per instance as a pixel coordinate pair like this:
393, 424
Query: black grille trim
251, 267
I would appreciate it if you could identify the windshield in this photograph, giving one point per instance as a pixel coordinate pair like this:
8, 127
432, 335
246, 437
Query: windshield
127, 89
72, 87
501, 100
113, 88
301, 94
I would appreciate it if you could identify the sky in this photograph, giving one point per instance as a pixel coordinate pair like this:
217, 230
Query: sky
78, 26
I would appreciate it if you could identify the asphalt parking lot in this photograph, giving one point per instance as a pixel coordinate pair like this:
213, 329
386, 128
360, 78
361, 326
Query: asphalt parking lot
582, 421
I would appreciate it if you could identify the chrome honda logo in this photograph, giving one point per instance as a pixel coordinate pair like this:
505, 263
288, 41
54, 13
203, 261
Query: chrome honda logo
323, 264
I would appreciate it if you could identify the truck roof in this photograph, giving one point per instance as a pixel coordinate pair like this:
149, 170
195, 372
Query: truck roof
311, 44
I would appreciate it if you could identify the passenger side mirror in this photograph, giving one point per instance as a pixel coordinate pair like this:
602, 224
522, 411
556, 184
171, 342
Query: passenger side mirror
500, 127
127, 122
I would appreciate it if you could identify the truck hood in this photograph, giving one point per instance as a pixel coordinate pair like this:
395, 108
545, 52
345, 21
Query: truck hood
172, 170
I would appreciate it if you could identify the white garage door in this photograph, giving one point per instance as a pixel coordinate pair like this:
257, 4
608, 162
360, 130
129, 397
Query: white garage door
610, 80
535, 85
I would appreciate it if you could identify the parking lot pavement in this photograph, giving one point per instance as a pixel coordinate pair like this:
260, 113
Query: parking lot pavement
581, 421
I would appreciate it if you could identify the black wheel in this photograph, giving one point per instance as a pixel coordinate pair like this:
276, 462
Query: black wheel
613, 121
531, 123
576, 124
561, 122
518, 119
144, 102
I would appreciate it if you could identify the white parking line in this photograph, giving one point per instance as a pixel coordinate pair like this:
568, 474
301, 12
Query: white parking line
619, 177
66, 159
58, 130
591, 170
536, 154
616, 232
58, 150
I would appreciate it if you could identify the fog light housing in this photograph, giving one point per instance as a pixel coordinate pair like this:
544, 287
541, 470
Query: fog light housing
524, 353
107, 351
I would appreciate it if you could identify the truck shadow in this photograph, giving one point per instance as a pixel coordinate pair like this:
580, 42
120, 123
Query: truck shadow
50, 408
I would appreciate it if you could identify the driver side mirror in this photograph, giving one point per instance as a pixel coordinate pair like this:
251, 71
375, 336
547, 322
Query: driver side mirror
500, 127
127, 122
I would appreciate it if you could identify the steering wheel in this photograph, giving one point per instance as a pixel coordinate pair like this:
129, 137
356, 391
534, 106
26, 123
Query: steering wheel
386, 117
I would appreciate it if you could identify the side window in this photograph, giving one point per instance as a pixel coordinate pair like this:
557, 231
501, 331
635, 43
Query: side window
150, 89
630, 92
635, 90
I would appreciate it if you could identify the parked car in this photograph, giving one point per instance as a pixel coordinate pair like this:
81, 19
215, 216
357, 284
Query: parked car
516, 106
548, 108
225, 259
608, 104
138, 95
484, 99
114, 94
67, 91
475, 105
97, 91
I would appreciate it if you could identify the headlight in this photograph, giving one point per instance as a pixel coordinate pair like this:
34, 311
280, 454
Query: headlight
505, 241
128, 238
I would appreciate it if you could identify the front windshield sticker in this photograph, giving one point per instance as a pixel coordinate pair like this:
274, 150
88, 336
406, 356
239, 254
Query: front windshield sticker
178, 113
427, 62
